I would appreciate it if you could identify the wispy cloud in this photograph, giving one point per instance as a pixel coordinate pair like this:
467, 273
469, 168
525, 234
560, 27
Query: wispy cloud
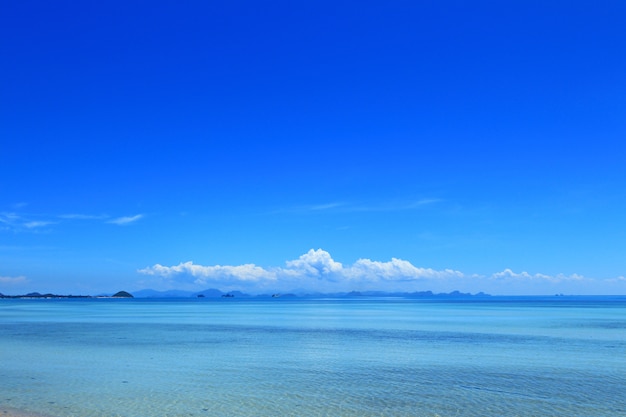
17, 222
424, 202
37, 224
310, 208
394, 206
344, 207
33, 222
76, 216
9, 218
122, 221
323, 207
13, 280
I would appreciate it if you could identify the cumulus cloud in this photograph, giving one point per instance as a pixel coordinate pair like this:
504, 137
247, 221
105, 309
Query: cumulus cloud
247, 272
397, 270
509, 275
315, 263
315, 270
121, 221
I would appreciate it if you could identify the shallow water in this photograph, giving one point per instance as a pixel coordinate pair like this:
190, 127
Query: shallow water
279, 357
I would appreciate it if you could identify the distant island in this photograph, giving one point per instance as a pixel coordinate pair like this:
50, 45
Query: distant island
215, 294
122, 294
36, 295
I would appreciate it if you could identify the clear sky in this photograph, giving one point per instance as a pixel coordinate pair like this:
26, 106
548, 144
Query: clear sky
317, 145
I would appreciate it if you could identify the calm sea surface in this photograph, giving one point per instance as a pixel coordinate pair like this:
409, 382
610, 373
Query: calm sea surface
280, 357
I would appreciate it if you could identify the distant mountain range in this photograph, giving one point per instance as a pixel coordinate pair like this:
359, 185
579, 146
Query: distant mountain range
119, 294
215, 293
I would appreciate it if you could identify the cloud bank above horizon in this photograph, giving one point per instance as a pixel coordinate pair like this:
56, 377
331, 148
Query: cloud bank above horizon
317, 271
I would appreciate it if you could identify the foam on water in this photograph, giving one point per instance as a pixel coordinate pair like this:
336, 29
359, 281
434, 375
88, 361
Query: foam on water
312, 358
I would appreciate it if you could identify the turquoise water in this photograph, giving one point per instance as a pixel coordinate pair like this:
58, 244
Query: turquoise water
364, 357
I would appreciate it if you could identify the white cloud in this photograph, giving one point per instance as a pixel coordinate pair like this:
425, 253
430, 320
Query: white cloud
396, 206
315, 263
425, 201
509, 275
16, 222
121, 221
326, 206
8, 218
344, 207
19, 222
247, 272
397, 270
315, 270
36, 224
13, 280
75, 216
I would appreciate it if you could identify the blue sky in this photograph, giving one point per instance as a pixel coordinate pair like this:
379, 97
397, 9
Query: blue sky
270, 146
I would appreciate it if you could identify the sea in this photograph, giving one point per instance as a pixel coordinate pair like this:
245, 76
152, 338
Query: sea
360, 356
